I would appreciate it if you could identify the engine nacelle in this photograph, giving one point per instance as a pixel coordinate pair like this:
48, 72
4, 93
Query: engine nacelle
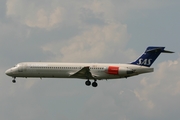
116, 70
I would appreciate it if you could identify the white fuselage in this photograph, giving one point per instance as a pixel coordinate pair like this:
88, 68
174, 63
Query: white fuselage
69, 70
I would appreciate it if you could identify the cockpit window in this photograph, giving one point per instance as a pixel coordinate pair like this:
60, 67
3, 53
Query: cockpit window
17, 65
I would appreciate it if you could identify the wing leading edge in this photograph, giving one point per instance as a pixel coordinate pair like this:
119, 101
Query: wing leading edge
84, 73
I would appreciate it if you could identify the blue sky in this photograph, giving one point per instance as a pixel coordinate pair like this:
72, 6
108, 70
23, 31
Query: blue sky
90, 31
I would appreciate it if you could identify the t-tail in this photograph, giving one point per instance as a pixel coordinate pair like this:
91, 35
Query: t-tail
150, 55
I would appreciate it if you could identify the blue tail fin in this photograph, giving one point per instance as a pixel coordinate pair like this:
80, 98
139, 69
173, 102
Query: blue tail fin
150, 55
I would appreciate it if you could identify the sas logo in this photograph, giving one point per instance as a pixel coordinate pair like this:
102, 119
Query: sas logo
145, 61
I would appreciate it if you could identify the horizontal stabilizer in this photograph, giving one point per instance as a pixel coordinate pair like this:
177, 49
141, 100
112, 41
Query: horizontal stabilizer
166, 51
159, 49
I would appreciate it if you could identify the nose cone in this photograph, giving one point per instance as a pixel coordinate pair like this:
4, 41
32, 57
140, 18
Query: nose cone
8, 72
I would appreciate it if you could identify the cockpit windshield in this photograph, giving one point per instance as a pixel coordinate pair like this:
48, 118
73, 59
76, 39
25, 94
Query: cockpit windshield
17, 65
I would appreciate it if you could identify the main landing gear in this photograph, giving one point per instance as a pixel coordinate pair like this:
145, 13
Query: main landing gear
94, 84
14, 80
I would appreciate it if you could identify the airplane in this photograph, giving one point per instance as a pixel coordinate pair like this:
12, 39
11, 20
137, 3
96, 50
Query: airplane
88, 71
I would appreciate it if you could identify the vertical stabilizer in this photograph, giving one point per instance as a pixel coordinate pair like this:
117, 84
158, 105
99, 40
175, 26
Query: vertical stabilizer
150, 55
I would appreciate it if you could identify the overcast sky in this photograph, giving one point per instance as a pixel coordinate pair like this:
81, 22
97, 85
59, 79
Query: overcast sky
111, 31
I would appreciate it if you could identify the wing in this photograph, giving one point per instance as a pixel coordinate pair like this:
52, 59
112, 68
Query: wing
83, 73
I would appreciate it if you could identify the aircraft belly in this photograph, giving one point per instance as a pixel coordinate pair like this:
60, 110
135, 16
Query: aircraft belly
104, 75
57, 74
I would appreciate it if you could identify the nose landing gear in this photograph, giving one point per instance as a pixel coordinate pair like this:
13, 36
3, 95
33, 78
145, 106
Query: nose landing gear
14, 80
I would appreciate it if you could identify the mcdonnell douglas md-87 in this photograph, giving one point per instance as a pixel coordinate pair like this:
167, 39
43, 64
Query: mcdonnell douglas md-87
88, 71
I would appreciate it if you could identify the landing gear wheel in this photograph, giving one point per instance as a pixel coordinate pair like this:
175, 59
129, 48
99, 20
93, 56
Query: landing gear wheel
88, 83
14, 81
94, 84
